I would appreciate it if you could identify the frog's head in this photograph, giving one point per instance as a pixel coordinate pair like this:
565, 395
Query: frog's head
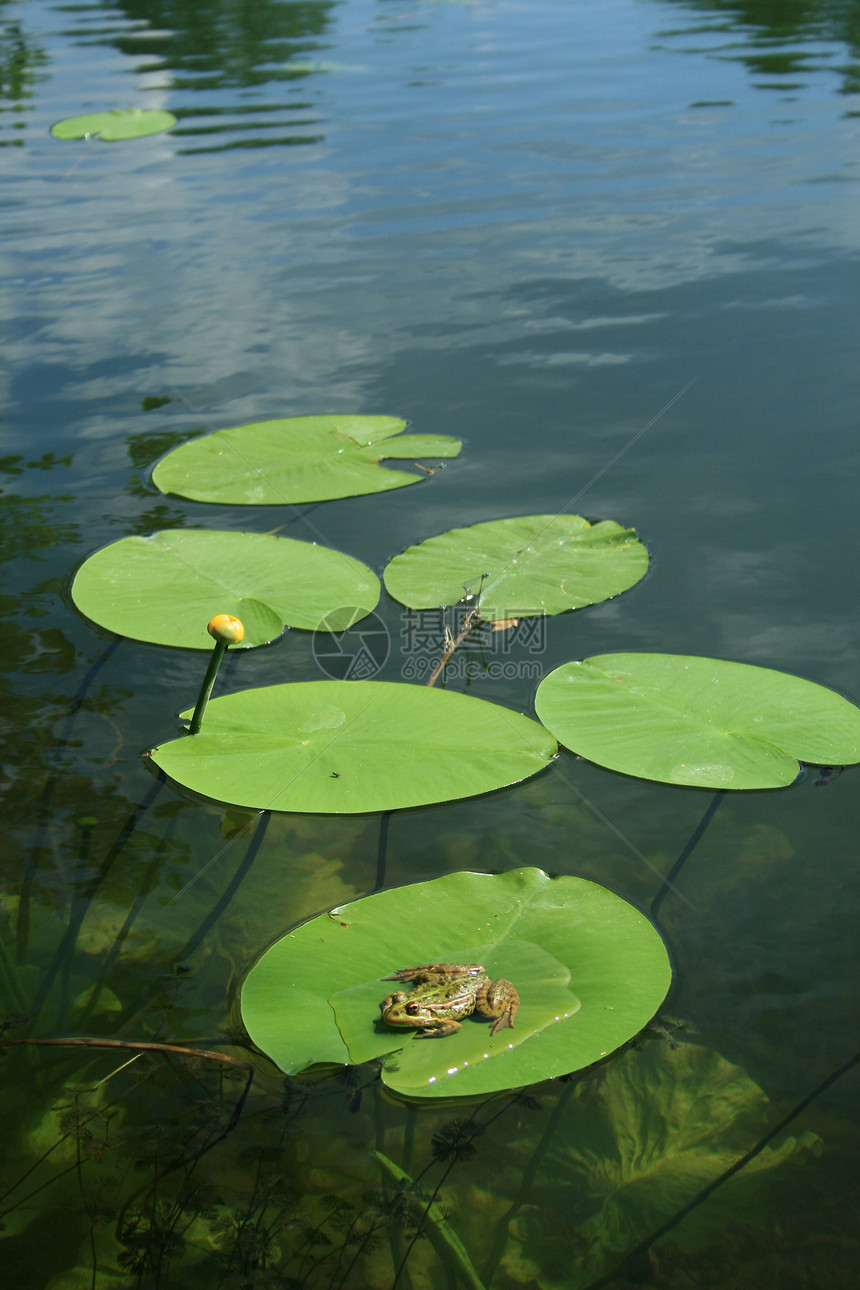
397, 1010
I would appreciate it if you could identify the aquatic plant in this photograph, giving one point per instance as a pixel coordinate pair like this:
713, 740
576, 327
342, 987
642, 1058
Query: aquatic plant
337, 747
117, 124
591, 969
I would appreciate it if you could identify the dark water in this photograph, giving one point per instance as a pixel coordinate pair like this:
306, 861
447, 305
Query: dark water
541, 227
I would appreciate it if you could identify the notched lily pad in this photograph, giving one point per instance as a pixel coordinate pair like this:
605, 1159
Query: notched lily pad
297, 459
348, 747
526, 566
118, 123
590, 969
703, 722
165, 588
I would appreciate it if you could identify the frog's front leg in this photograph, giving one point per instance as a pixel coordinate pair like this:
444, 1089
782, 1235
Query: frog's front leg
448, 1027
498, 999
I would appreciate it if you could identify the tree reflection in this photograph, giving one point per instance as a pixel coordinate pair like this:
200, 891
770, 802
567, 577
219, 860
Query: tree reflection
21, 61
827, 19
778, 33
223, 42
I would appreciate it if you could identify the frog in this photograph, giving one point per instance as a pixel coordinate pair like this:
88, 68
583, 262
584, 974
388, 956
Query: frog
444, 992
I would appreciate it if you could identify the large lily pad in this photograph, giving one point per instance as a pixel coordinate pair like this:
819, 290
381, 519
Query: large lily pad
297, 459
165, 588
590, 970
529, 565
347, 747
118, 123
698, 721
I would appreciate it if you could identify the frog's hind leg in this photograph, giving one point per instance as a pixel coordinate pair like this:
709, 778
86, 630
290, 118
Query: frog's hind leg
498, 999
434, 971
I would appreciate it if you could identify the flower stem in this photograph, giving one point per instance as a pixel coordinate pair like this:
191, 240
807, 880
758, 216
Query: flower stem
226, 630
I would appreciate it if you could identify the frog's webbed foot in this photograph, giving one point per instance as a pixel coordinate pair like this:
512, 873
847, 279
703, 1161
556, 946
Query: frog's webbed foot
500, 1000
505, 1020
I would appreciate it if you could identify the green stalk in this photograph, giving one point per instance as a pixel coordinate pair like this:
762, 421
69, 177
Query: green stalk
206, 688
226, 630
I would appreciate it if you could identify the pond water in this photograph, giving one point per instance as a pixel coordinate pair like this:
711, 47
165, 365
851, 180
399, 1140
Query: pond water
614, 247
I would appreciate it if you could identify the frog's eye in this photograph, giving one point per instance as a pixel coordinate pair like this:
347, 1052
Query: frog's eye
412, 1009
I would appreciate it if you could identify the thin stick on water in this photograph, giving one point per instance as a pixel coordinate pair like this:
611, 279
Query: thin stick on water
453, 642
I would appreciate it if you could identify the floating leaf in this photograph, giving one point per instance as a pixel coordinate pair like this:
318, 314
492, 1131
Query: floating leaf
699, 721
347, 747
296, 459
529, 565
119, 123
165, 588
314, 996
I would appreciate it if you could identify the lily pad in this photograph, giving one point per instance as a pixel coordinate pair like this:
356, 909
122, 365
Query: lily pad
314, 996
165, 588
297, 459
529, 565
703, 722
118, 123
348, 747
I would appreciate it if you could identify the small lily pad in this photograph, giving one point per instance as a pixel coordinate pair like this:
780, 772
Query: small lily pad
526, 566
590, 969
165, 588
297, 459
118, 123
348, 747
703, 722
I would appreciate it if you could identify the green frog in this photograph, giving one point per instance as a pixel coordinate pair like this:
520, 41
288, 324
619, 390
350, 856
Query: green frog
442, 993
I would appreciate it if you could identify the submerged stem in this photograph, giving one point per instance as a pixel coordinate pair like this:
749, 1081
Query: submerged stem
39, 847
233, 886
695, 837
82, 898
